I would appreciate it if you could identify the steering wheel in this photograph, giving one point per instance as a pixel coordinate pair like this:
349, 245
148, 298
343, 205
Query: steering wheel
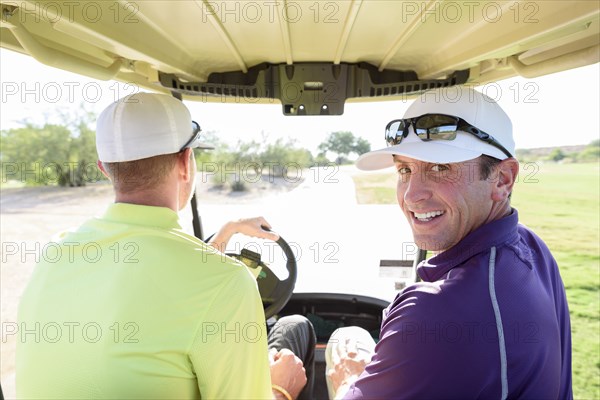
274, 292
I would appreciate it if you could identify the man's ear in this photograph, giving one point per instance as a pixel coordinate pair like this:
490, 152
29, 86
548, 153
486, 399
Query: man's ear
184, 163
101, 168
507, 171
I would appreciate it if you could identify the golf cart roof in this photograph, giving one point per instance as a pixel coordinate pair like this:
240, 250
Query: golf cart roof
311, 55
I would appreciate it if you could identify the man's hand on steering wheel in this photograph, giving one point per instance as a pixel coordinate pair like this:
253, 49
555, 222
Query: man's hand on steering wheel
255, 227
274, 292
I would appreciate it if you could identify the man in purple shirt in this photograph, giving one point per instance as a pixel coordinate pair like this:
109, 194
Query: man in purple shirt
489, 318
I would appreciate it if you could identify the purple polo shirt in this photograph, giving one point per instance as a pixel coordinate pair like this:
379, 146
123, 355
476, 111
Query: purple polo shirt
489, 320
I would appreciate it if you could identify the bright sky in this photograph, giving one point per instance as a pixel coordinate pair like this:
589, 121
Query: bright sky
555, 110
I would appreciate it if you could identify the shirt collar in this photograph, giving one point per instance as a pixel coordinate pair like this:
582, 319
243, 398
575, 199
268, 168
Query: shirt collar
135, 214
480, 240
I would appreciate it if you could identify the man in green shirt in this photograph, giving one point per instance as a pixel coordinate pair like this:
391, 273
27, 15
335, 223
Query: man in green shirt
129, 305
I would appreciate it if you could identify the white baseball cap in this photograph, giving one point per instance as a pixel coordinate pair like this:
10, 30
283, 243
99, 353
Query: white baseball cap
464, 102
144, 125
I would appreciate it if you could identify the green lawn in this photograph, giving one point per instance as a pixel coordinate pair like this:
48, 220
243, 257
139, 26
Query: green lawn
561, 203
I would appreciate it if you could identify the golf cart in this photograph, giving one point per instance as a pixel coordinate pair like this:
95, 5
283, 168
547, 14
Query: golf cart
312, 57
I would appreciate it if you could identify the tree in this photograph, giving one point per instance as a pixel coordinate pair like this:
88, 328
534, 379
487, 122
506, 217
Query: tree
556, 155
282, 155
362, 146
343, 143
253, 160
62, 154
591, 152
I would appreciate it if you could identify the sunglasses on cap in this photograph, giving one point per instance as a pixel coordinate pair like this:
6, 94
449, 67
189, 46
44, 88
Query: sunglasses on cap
429, 127
195, 134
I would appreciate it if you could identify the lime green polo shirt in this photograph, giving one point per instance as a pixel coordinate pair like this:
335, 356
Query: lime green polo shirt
130, 306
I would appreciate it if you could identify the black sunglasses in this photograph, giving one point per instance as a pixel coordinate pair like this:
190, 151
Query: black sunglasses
436, 127
195, 135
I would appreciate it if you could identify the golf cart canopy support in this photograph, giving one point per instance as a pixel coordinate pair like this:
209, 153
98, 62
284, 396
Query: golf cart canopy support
310, 88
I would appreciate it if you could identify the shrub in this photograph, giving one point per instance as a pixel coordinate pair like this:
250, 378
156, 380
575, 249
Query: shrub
237, 184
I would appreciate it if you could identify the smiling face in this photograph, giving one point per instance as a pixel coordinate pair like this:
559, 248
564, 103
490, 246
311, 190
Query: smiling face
445, 202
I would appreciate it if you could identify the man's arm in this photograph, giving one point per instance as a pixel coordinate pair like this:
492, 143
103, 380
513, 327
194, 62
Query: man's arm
255, 227
288, 375
230, 354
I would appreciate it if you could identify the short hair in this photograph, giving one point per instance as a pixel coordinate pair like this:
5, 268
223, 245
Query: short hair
486, 165
140, 175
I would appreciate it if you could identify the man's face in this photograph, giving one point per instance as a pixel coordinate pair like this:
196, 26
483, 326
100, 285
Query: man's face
442, 202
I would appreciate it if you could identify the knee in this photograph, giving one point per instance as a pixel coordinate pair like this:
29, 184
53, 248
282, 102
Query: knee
361, 337
350, 332
296, 323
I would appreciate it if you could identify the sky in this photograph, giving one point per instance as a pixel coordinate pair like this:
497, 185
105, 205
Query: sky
554, 110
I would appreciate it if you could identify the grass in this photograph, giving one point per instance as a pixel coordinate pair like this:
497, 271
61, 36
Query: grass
376, 188
561, 203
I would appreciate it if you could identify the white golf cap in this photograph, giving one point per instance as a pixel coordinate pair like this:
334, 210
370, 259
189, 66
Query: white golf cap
460, 101
144, 125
